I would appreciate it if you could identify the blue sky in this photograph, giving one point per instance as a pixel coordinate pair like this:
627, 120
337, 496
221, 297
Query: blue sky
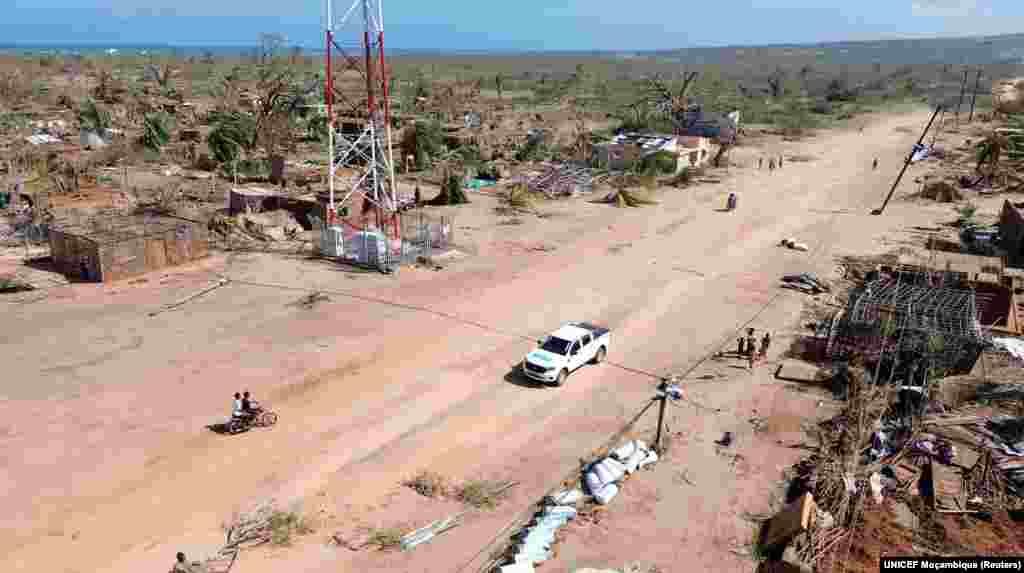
517, 24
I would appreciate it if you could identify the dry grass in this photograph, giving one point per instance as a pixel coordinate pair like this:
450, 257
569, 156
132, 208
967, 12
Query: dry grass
519, 200
481, 494
429, 484
284, 525
386, 538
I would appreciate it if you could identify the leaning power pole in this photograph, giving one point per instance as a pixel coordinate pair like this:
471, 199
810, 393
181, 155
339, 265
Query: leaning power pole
906, 163
365, 160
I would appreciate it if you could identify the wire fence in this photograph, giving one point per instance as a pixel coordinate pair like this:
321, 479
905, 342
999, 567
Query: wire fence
420, 236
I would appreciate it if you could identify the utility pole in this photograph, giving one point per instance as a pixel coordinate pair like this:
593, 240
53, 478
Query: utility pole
907, 163
665, 391
977, 84
963, 86
938, 128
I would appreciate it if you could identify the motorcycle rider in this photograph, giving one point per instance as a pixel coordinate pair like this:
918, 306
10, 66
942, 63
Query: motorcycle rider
236, 407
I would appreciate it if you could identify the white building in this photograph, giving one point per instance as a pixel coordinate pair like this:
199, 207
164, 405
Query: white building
625, 149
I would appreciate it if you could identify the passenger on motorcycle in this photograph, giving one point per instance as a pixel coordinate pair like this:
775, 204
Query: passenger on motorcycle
238, 411
249, 405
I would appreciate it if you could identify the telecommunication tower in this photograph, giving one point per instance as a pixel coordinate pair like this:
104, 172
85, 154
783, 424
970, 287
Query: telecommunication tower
361, 168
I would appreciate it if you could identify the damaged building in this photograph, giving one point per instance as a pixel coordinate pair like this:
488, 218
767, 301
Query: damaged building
908, 326
626, 149
105, 249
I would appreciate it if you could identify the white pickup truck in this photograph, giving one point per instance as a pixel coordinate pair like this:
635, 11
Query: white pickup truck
565, 350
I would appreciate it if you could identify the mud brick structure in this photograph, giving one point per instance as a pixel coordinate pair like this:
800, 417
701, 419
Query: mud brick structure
106, 249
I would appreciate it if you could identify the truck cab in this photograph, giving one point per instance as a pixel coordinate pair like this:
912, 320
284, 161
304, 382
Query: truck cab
565, 350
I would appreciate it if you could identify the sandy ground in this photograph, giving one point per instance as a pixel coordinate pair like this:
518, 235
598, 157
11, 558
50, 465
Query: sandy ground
107, 465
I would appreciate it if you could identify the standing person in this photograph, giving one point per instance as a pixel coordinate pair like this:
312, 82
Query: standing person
760, 162
751, 343
740, 347
771, 165
751, 360
874, 164
766, 343
780, 162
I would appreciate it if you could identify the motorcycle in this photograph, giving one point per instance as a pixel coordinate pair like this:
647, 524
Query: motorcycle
260, 418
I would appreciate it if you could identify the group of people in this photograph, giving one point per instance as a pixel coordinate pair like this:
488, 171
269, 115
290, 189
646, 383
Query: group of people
772, 163
748, 347
244, 407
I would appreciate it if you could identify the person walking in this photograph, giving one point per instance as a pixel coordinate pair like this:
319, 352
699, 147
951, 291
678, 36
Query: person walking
874, 164
771, 165
780, 162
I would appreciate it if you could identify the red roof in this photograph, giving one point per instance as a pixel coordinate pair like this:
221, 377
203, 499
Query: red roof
689, 140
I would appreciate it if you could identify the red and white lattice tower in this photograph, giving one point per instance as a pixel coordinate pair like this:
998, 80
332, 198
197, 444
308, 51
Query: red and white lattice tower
362, 174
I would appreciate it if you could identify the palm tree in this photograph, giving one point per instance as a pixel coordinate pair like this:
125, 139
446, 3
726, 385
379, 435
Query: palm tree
671, 102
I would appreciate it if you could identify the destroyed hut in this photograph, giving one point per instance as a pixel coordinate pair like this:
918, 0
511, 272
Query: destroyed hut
909, 326
106, 249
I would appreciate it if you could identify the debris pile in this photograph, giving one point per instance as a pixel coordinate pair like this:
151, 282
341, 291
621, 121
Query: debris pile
267, 227
807, 283
563, 179
793, 244
428, 532
626, 198
535, 543
941, 191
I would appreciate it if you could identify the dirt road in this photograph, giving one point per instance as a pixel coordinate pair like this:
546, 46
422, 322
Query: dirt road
108, 466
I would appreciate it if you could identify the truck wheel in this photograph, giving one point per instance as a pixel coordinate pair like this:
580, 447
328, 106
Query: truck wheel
599, 357
561, 377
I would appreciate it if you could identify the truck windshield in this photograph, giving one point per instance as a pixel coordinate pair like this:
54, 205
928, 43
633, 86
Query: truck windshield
556, 345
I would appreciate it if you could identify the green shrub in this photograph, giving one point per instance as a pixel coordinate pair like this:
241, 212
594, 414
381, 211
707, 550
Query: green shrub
155, 131
451, 193
232, 133
683, 178
660, 163
92, 117
424, 141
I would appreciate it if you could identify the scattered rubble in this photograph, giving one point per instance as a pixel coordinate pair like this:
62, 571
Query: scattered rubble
807, 283
793, 244
941, 191
600, 478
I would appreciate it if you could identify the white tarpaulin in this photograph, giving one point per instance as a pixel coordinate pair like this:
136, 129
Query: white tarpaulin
920, 153
41, 138
1015, 346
